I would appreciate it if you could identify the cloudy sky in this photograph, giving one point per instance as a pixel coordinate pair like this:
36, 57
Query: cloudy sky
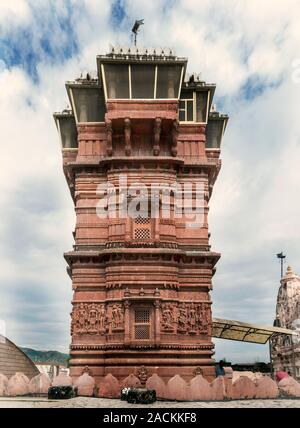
250, 48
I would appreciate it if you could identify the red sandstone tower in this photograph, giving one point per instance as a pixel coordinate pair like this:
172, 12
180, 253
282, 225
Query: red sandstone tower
141, 284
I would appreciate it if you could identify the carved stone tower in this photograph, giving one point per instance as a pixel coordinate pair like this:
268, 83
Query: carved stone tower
286, 349
141, 283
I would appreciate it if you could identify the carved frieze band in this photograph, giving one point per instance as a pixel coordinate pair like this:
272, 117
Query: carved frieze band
176, 318
97, 318
186, 318
85, 347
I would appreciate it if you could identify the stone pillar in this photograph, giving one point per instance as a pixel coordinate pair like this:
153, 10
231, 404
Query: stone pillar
109, 132
175, 129
127, 132
127, 322
157, 131
157, 306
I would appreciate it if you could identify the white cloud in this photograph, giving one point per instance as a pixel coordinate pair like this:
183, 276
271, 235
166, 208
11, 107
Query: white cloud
14, 12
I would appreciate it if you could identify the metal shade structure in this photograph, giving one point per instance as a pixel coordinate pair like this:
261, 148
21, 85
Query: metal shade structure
215, 129
243, 332
144, 75
87, 101
66, 125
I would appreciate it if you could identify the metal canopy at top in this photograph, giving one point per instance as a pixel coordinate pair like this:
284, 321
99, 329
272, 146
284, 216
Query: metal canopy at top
243, 332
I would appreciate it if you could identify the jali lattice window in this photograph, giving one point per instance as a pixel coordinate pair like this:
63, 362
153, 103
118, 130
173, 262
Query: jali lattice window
142, 323
142, 229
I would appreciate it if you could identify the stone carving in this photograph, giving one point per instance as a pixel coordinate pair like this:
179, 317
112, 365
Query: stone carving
182, 318
192, 319
200, 318
117, 317
127, 132
79, 318
198, 371
109, 132
206, 321
87, 370
89, 318
187, 318
102, 318
175, 131
168, 318
142, 374
93, 318
126, 303
157, 131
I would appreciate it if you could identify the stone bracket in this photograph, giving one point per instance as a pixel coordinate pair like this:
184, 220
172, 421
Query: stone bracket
157, 132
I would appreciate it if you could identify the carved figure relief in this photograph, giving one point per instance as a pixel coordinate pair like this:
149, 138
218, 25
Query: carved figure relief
168, 317
87, 370
197, 371
102, 317
117, 317
187, 318
192, 319
89, 318
142, 374
182, 318
93, 318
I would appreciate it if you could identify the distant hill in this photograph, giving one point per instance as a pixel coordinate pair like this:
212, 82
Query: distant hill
53, 357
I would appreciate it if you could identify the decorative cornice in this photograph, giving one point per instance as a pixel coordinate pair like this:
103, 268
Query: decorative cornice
135, 254
107, 347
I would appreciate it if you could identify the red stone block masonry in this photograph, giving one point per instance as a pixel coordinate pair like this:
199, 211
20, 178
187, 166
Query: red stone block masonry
141, 285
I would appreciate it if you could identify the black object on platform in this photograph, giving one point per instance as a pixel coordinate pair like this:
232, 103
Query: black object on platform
138, 395
61, 392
